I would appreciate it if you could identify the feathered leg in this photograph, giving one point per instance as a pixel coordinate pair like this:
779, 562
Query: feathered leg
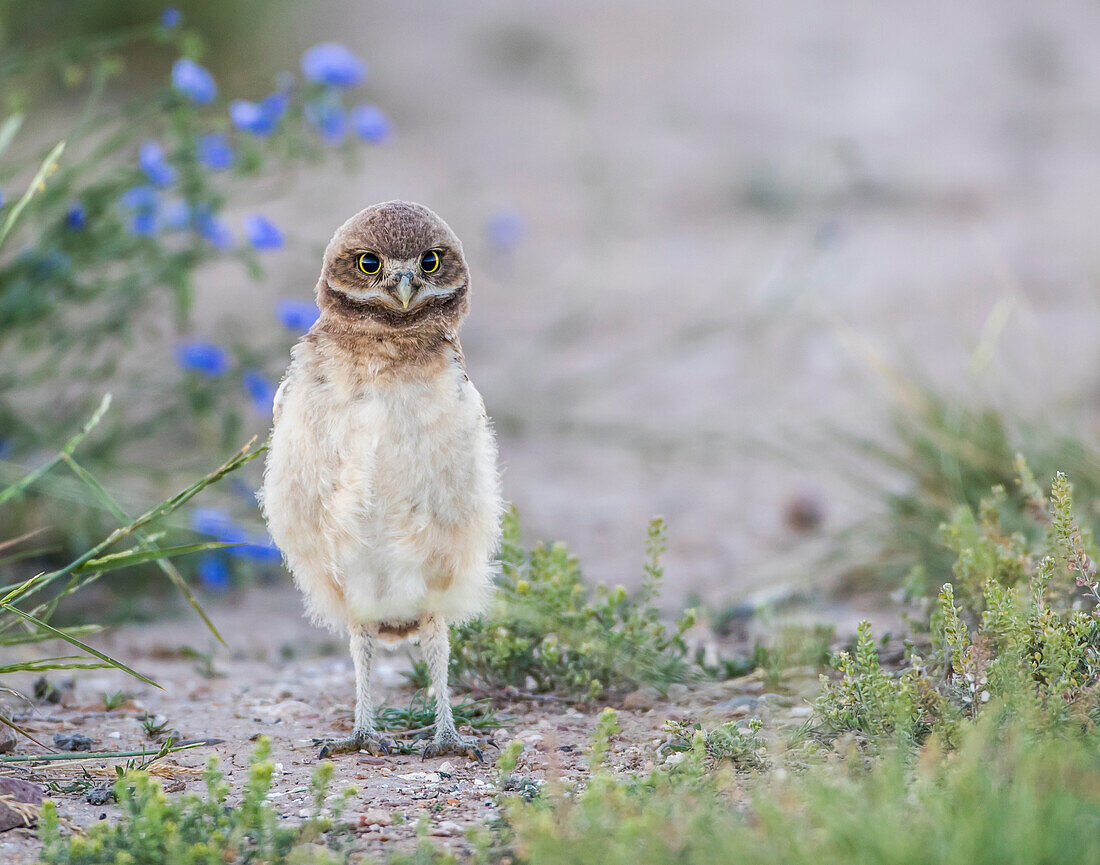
435, 644
363, 737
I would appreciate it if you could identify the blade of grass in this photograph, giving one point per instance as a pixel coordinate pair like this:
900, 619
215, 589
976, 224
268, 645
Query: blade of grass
68, 638
166, 566
8, 129
51, 664
35, 637
96, 755
138, 556
70, 446
11, 542
22, 732
37, 185
244, 455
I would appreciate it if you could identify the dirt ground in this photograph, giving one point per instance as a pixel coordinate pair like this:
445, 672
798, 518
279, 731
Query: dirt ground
283, 679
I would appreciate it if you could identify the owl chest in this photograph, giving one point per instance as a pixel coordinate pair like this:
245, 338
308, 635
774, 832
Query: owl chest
393, 460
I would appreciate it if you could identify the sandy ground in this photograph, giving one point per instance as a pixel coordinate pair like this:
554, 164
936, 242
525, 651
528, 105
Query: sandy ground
285, 680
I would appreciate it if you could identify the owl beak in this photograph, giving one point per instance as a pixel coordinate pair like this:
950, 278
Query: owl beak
404, 290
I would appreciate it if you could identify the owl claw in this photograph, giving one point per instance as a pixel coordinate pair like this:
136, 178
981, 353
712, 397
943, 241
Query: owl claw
368, 741
462, 746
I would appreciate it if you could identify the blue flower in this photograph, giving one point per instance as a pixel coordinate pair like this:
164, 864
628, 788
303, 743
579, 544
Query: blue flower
143, 223
193, 81
142, 197
504, 230
214, 151
156, 167
217, 524
298, 315
143, 201
258, 549
329, 119
213, 230
370, 123
76, 217
259, 389
1, 198
213, 573
204, 358
170, 18
333, 64
274, 105
260, 118
262, 232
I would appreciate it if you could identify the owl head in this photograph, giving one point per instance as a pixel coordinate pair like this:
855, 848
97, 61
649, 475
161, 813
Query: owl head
394, 266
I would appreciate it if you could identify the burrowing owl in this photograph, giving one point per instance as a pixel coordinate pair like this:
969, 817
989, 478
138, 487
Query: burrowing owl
381, 486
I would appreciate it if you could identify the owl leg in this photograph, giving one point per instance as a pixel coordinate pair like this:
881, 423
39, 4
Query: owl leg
436, 646
363, 737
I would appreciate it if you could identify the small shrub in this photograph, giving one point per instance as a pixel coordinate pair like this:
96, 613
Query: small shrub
190, 830
870, 700
729, 743
1023, 635
548, 632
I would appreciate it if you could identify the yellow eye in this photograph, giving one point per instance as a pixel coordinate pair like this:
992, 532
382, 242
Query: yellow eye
369, 263
430, 262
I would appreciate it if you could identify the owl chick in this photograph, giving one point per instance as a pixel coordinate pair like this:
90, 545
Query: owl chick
381, 486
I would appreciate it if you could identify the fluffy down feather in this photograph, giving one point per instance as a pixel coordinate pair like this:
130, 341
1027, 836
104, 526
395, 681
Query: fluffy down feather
382, 490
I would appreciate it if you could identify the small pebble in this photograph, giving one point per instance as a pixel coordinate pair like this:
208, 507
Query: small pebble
101, 794
375, 817
72, 742
642, 699
429, 777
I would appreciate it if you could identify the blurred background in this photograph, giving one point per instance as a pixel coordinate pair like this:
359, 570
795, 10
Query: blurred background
753, 267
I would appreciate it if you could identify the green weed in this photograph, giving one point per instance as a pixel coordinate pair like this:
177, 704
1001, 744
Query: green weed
191, 830
1019, 631
548, 632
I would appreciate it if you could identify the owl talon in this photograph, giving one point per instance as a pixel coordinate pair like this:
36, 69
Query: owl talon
370, 742
462, 746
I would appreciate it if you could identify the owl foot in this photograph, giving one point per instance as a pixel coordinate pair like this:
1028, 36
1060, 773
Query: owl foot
450, 742
360, 740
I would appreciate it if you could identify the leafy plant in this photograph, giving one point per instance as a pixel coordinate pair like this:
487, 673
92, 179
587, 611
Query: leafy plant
116, 700
1023, 635
731, 742
190, 830
546, 631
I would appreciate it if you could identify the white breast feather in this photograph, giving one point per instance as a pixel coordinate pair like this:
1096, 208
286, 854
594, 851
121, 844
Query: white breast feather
383, 497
